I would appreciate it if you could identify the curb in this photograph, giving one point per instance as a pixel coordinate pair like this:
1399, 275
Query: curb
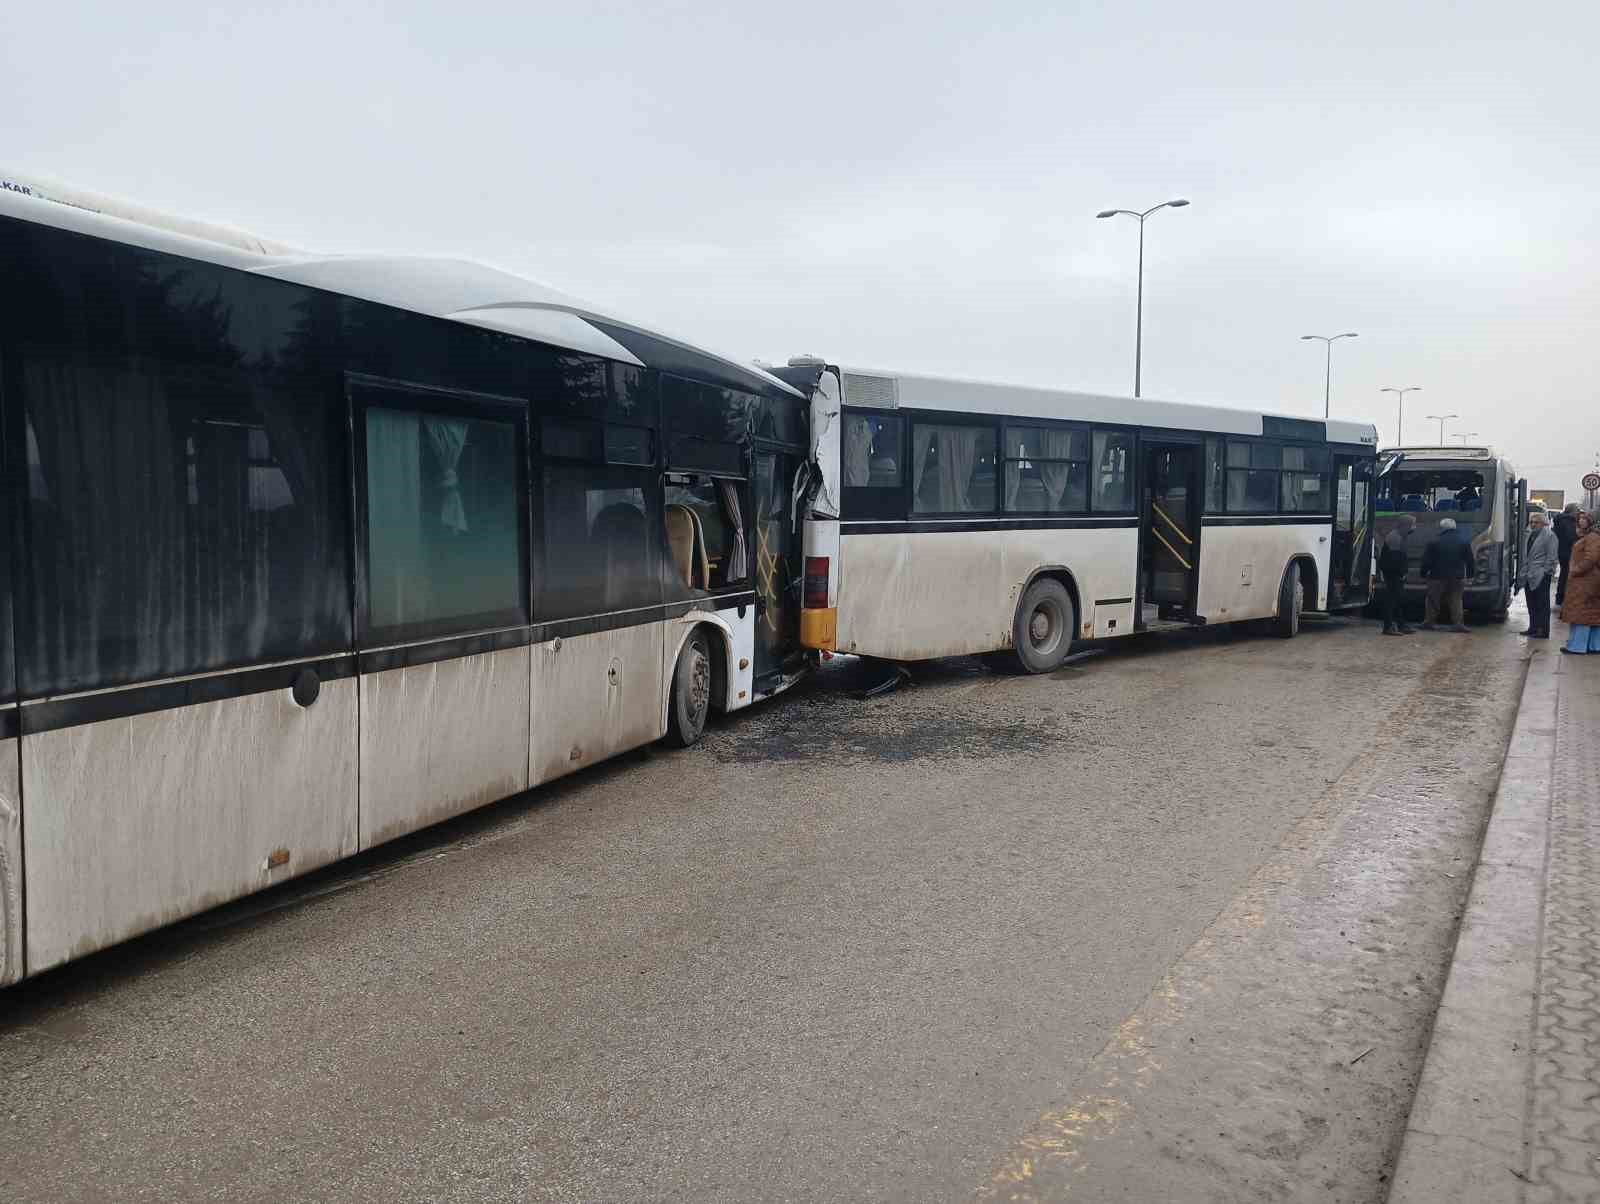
1465, 1139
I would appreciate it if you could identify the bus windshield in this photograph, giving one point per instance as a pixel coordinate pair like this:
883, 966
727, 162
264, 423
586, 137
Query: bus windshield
1462, 493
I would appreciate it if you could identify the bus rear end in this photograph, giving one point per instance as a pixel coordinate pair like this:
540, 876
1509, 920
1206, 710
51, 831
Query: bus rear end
819, 585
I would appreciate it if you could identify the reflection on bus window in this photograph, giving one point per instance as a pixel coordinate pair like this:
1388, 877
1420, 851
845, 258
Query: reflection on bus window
952, 469
443, 539
1216, 497
597, 542
1113, 480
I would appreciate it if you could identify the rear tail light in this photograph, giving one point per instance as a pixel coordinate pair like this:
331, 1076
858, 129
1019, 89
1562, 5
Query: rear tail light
816, 587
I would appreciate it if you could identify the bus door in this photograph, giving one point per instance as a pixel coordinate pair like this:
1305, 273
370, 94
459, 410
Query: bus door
1516, 525
777, 566
1169, 537
1350, 561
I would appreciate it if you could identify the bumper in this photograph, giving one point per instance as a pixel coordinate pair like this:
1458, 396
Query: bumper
819, 628
1476, 596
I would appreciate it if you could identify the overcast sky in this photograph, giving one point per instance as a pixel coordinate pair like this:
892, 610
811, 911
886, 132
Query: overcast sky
914, 185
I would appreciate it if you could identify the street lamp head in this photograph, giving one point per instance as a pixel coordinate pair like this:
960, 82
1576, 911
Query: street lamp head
1349, 334
1107, 213
1304, 337
1177, 204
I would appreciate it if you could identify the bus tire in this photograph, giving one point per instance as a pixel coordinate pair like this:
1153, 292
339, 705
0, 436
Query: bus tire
1041, 633
1291, 602
691, 691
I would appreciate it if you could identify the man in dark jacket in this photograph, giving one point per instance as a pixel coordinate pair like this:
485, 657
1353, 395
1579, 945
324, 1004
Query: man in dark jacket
1447, 563
1392, 566
1566, 529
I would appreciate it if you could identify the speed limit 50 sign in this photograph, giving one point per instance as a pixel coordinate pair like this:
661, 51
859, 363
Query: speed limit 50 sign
1591, 481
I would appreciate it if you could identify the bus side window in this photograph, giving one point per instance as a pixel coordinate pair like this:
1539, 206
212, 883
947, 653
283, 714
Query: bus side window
1113, 470
1216, 498
953, 468
704, 531
872, 452
444, 531
597, 541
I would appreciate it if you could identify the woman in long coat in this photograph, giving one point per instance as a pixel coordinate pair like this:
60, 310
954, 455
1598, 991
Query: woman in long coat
1582, 605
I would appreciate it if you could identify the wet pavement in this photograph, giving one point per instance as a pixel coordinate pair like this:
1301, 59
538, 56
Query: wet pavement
1170, 923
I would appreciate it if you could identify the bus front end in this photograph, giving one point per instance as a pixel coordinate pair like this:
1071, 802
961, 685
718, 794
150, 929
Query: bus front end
1471, 486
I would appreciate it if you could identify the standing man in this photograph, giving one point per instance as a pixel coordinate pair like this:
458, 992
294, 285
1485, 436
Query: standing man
1447, 563
1392, 565
1539, 561
1566, 531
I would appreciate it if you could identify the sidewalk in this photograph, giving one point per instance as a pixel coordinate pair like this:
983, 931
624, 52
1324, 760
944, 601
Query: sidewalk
1508, 1108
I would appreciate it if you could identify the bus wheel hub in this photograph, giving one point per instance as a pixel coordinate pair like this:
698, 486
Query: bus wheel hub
1039, 628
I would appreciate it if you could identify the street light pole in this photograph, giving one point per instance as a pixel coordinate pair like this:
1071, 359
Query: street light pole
1138, 318
1400, 419
1441, 418
1327, 376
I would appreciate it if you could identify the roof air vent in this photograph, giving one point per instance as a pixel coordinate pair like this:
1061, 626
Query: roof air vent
879, 392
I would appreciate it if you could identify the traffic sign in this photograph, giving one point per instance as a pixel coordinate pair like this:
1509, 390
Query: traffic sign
1591, 481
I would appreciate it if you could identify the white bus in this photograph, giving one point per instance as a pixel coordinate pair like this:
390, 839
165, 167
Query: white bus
950, 518
307, 552
1476, 487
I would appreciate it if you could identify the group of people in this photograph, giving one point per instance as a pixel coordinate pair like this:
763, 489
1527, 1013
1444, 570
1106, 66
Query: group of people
1571, 544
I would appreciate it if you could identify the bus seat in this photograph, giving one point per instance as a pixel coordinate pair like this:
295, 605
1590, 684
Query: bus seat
619, 529
1413, 502
1471, 503
681, 540
1447, 503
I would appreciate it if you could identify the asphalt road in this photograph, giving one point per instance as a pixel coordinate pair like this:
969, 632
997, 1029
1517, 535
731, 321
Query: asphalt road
985, 935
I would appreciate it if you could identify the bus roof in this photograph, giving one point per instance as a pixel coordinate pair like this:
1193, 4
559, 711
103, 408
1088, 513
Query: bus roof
891, 390
451, 289
1443, 453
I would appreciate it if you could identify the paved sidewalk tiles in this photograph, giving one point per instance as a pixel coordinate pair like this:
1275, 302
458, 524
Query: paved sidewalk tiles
1509, 1104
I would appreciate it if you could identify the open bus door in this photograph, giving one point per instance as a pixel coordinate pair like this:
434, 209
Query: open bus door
1350, 582
1516, 525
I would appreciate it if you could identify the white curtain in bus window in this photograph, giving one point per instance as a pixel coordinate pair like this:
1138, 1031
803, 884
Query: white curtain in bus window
1047, 470
1113, 470
181, 517
952, 469
443, 544
871, 451
858, 434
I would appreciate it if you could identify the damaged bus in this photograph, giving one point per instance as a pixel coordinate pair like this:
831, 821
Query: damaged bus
313, 551
1477, 488
951, 518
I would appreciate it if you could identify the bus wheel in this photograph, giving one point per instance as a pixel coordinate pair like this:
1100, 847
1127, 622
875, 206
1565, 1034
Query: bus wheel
1291, 600
691, 691
1041, 633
